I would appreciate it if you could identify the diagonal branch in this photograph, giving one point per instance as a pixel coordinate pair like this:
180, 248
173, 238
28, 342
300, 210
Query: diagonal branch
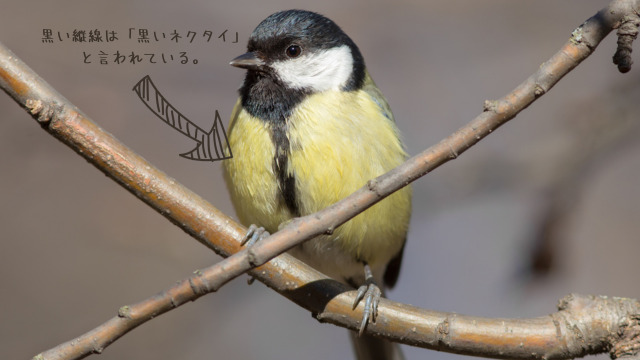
543, 337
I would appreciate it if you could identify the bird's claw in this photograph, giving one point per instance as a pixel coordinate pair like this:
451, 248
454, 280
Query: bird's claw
371, 294
254, 234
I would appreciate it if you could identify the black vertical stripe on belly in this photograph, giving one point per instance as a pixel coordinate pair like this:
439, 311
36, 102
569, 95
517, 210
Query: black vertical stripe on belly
286, 178
264, 96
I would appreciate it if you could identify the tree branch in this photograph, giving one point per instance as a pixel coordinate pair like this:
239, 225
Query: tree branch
563, 335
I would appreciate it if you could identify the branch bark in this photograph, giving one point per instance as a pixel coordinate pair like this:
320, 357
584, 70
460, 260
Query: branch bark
557, 336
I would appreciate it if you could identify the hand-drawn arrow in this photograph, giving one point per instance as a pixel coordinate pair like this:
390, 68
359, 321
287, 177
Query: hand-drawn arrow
210, 145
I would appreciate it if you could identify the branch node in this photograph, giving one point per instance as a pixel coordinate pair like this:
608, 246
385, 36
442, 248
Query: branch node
43, 112
490, 105
453, 154
627, 33
173, 302
539, 91
577, 35
330, 230
443, 328
374, 187
125, 312
199, 284
600, 323
194, 288
627, 346
252, 257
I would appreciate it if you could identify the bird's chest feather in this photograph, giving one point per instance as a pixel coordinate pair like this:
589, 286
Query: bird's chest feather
337, 142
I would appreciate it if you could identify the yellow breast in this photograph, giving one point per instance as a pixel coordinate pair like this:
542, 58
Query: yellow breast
338, 141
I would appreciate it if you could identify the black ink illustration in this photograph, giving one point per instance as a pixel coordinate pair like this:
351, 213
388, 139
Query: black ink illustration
211, 145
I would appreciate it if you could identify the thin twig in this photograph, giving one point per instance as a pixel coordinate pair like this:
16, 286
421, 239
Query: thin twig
322, 296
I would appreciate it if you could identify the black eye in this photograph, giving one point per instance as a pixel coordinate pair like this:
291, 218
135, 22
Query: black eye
294, 51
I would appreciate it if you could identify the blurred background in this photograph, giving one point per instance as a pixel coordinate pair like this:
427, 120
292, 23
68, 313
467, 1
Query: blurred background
545, 206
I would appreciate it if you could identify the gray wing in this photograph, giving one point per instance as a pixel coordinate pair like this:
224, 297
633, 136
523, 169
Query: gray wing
370, 88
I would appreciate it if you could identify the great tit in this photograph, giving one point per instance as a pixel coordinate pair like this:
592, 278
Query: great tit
309, 128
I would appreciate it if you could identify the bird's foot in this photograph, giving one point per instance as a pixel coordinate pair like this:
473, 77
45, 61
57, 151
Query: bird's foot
254, 234
371, 294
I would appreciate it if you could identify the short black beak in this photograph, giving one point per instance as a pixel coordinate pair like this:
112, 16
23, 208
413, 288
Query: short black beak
249, 61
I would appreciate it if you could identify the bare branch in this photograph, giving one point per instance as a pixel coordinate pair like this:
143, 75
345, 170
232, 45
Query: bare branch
557, 336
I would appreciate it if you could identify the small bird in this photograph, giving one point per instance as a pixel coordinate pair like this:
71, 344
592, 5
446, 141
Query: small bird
309, 128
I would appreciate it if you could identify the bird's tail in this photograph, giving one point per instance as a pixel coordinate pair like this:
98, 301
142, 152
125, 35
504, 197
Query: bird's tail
372, 348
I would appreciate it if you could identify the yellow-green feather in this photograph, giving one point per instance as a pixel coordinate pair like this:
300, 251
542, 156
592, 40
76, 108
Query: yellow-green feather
338, 141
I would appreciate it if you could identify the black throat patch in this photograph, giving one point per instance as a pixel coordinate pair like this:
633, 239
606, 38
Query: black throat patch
268, 100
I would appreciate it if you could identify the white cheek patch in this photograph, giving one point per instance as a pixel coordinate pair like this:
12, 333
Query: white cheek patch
326, 70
